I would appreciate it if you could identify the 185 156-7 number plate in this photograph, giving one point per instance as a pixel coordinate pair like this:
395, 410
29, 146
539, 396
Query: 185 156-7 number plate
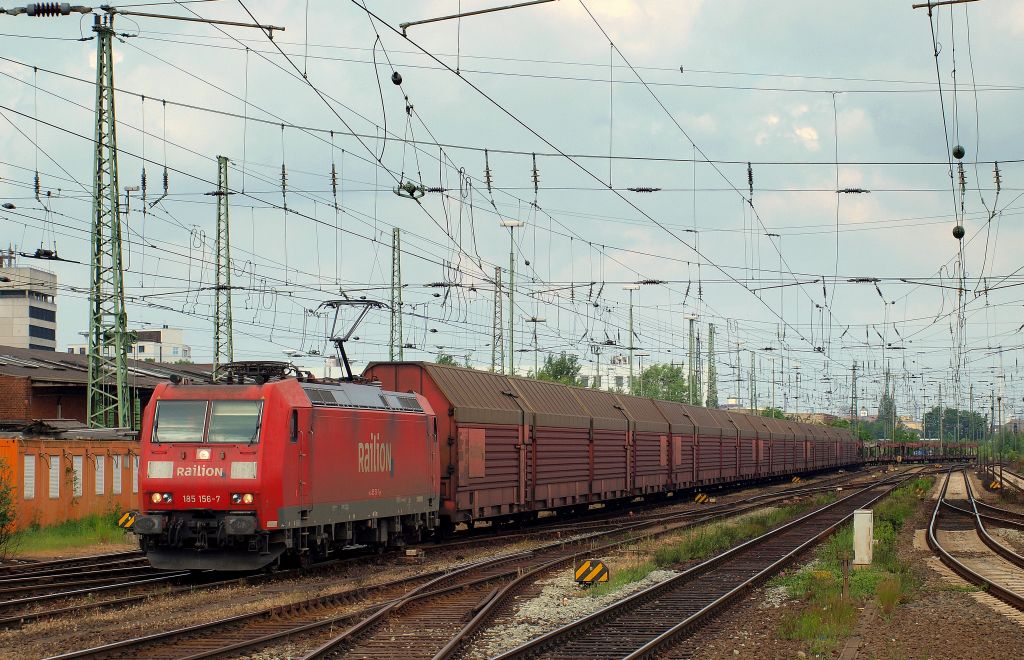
200, 499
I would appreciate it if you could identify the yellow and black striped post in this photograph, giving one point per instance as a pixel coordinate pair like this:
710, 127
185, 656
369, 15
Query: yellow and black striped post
590, 571
127, 520
701, 498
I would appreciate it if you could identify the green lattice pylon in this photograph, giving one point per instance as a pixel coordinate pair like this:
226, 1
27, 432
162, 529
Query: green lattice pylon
108, 401
396, 346
223, 342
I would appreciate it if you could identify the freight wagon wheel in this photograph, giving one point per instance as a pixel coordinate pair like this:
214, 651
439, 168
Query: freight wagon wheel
444, 530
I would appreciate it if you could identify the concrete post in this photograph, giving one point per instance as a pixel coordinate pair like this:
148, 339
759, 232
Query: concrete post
863, 533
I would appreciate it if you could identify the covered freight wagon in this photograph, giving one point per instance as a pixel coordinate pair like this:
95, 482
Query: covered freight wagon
512, 446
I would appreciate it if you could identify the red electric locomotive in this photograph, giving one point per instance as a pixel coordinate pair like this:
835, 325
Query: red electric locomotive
239, 476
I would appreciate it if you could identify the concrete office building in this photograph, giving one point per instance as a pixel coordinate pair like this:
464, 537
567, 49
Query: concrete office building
28, 308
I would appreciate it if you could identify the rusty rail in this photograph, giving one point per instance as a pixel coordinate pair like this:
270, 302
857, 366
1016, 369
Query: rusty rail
1006, 595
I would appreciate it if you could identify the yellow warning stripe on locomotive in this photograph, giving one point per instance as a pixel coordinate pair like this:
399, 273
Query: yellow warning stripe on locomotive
589, 571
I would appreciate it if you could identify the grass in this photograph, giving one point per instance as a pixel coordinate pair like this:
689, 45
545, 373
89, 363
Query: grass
702, 542
96, 529
826, 617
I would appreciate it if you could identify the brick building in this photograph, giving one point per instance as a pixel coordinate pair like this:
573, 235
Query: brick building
69, 474
38, 384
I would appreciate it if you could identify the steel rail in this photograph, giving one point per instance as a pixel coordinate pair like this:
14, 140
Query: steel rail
1003, 522
70, 562
970, 575
126, 564
84, 592
49, 583
999, 510
986, 538
571, 631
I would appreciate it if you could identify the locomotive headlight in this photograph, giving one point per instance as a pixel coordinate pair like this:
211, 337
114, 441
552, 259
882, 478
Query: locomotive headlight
156, 498
167, 498
242, 498
203, 454
247, 498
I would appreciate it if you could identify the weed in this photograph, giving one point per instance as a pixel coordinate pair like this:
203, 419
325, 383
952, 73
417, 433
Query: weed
889, 592
91, 530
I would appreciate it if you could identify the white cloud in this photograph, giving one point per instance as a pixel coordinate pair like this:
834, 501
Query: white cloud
808, 136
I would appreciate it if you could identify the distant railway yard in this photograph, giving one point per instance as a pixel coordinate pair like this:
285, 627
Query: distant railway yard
755, 571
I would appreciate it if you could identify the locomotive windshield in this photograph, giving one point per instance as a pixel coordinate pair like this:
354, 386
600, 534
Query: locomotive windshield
235, 421
180, 421
186, 421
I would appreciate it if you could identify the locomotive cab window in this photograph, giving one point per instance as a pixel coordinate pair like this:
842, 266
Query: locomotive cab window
180, 421
235, 421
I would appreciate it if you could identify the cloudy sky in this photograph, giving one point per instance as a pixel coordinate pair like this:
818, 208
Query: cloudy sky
674, 96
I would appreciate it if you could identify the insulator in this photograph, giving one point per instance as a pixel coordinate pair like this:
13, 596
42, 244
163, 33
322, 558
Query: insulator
143, 183
334, 180
487, 170
998, 179
165, 180
48, 9
963, 176
37, 185
536, 174
750, 179
643, 189
284, 178
436, 189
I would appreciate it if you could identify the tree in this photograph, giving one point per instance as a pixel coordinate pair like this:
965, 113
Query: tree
972, 425
444, 358
774, 413
662, 381
563, 368
863, 431
7, 510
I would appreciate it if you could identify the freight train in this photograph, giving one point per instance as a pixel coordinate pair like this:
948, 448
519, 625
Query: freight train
242, 476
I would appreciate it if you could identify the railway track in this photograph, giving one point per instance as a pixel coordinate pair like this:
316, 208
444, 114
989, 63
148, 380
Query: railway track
433, 605
29, 590
32, 607
659, 619
433, 622
1012, 478
958, 535
73, 562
